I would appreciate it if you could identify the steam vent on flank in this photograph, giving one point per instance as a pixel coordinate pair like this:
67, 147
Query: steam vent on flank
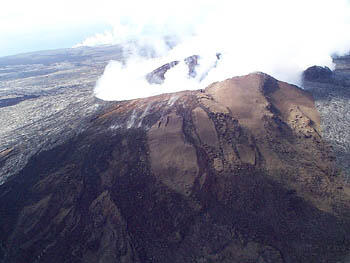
237, 172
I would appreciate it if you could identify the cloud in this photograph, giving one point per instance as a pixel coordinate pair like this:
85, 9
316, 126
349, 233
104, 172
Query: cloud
277, 37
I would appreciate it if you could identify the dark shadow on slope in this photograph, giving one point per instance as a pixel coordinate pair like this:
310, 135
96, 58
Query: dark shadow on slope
13, 101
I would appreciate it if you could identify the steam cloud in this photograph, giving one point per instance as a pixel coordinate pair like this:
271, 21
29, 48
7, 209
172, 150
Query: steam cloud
280, 38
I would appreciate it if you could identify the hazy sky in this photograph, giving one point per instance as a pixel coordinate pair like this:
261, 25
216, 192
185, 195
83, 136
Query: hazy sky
39, 24
42, 24
278, 37
45, 24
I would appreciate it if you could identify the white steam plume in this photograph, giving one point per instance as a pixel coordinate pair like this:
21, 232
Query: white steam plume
278, 37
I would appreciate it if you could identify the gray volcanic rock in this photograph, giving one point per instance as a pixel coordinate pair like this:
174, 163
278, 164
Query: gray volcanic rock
318, 74
236, 173
46, 98
157, 76
192, 63
332, 100
342, 70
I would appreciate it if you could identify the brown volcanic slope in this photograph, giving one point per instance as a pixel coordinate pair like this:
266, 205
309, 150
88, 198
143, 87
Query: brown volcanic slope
237, 172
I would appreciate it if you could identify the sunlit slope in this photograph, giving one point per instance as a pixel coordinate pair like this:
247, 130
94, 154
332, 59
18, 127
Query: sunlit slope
237, 172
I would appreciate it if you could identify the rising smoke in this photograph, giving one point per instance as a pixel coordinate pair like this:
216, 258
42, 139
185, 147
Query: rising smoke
280, 38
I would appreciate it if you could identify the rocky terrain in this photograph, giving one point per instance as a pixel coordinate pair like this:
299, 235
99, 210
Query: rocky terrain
250, 169
342, 70
45, 98
331, 91
238, 172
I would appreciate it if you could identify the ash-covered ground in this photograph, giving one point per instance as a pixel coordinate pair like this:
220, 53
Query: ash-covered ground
47, 97
332, 99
